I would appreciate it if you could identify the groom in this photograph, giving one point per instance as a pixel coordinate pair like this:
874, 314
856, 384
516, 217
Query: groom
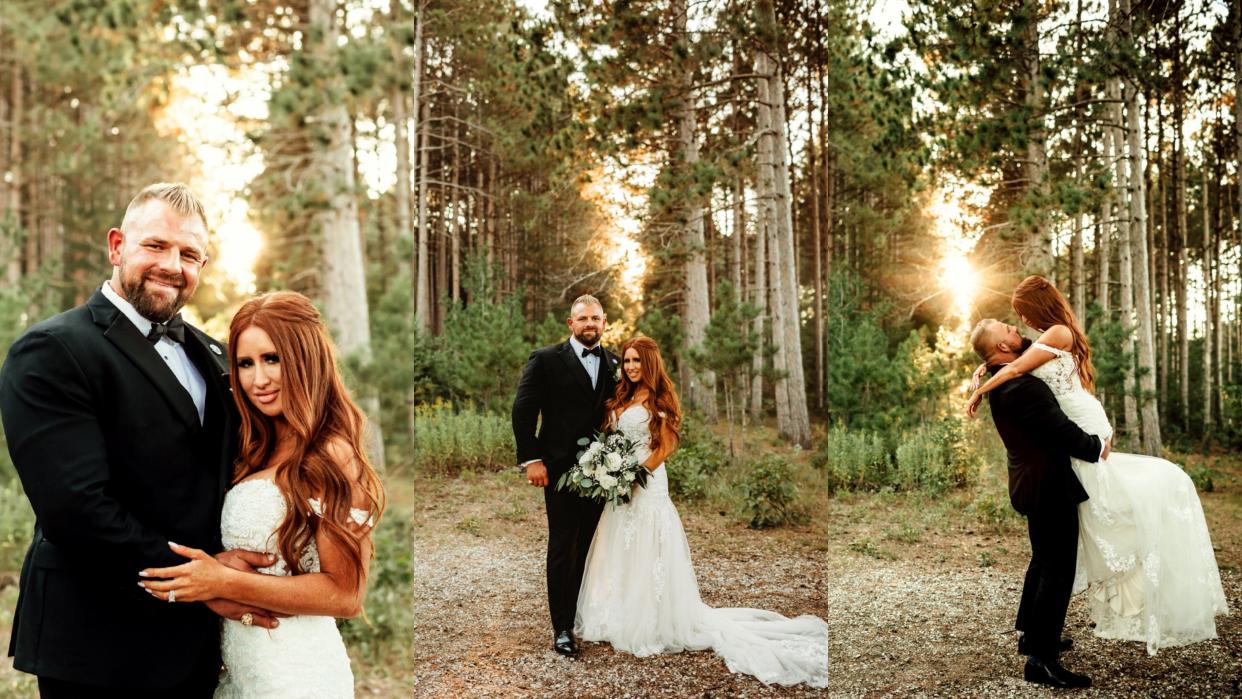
120, 424
563, 390
1040, 440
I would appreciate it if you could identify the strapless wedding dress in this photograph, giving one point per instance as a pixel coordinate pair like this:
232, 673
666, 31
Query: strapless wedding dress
639, 592
1144, 556
303, 657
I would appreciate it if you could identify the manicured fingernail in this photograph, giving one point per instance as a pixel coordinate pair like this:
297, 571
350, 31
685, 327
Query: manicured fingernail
172, 543
275, 624
143, 574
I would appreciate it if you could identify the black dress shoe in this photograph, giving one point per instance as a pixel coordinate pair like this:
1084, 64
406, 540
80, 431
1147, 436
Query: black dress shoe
1051, 673
1063, 645
565, 644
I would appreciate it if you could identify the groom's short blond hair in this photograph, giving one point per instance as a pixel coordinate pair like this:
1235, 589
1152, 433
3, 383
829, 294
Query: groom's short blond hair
983, 340
587, 299
177, 196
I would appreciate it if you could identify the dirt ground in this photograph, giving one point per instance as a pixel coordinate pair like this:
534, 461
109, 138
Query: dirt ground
482, 627
923, 592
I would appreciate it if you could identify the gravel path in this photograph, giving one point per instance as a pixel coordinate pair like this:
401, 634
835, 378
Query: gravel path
926, 610
481, 619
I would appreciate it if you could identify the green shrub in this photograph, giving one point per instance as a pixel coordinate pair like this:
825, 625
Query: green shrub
931, 459
450, 440
699, 457
859, 460
769, 493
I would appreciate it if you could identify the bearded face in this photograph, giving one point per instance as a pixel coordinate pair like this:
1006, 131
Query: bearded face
157, 259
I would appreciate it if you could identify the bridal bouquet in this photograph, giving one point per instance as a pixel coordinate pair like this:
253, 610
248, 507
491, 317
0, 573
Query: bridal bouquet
606, 469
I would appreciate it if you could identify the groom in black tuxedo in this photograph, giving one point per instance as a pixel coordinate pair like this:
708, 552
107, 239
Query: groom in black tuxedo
563, 391
1040, 440
122, 429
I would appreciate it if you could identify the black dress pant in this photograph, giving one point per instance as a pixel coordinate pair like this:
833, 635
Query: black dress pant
199, 684
571, 526
1049, 579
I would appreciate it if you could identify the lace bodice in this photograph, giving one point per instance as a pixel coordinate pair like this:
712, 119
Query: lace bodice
632, 422
1061, 375
304, 656
1060, 372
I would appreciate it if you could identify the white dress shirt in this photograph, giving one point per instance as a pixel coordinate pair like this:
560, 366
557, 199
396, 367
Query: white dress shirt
589, 362
171, 352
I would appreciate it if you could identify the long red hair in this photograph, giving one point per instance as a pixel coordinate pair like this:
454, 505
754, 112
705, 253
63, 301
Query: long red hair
322, 418
1039, 302
661, 402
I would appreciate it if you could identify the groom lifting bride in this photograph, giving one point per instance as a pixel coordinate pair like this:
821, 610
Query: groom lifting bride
1040, 440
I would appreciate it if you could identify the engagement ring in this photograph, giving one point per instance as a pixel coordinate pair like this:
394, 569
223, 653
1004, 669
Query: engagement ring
247, 619
172, 595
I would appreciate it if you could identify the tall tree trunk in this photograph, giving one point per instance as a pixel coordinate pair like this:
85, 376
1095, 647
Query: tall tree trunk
343, 287
1181, 238
760, 301
796, 423
1036, 252
1125, 266
16, 117
1149, 407
1207, 297
816, 245
455, 223
401, 123
702, 382
422, 110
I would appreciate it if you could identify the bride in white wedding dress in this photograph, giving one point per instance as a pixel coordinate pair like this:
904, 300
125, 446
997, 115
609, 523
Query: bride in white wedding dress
305, 493
1145, 556
639, 591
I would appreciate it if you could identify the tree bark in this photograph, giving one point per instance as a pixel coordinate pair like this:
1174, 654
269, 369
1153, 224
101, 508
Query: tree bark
1149, 406
702, 382
1207, 297
343, 288
1036, 252
795, 424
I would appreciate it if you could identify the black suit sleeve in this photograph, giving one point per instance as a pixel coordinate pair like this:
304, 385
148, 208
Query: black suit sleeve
526, 406
1038, 408
58, 448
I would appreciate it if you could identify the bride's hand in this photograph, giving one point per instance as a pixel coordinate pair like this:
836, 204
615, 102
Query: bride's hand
973, 404
203, 578
976, 379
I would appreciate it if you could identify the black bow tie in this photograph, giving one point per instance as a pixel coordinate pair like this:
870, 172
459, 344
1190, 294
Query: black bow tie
173, 329
596, 350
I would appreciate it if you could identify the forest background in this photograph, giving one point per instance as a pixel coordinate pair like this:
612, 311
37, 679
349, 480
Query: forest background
443, 178
1097, 143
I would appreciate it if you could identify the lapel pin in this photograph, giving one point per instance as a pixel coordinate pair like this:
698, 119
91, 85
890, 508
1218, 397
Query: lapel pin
216, 349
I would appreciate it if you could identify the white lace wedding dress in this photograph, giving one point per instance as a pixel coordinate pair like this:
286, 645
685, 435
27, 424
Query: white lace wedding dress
304, 656
639, 593
1144, 553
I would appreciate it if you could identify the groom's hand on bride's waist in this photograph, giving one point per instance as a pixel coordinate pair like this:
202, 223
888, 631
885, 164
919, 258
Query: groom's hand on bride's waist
245, 561
234, 610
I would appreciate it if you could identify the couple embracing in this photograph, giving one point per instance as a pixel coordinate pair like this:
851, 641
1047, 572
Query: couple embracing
622, 573
197, 504
1126, 528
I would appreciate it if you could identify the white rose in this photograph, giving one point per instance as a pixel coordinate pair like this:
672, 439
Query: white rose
614, 462
608, 481
629, 476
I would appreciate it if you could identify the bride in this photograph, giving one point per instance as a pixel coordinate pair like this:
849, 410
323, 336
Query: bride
639, 592
1144, 556
304, 492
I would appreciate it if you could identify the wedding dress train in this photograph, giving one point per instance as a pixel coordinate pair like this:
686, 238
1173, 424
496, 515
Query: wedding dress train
303, 657
639, 593
1144, 555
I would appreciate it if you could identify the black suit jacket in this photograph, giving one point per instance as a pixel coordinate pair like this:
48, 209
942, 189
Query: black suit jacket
1040, 440
112, 456
556, 388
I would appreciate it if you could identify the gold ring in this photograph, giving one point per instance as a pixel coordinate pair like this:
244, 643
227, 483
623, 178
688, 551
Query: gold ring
247, 619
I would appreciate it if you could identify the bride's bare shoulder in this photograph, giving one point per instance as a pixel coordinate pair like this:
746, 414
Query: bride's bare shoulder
1059, 336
